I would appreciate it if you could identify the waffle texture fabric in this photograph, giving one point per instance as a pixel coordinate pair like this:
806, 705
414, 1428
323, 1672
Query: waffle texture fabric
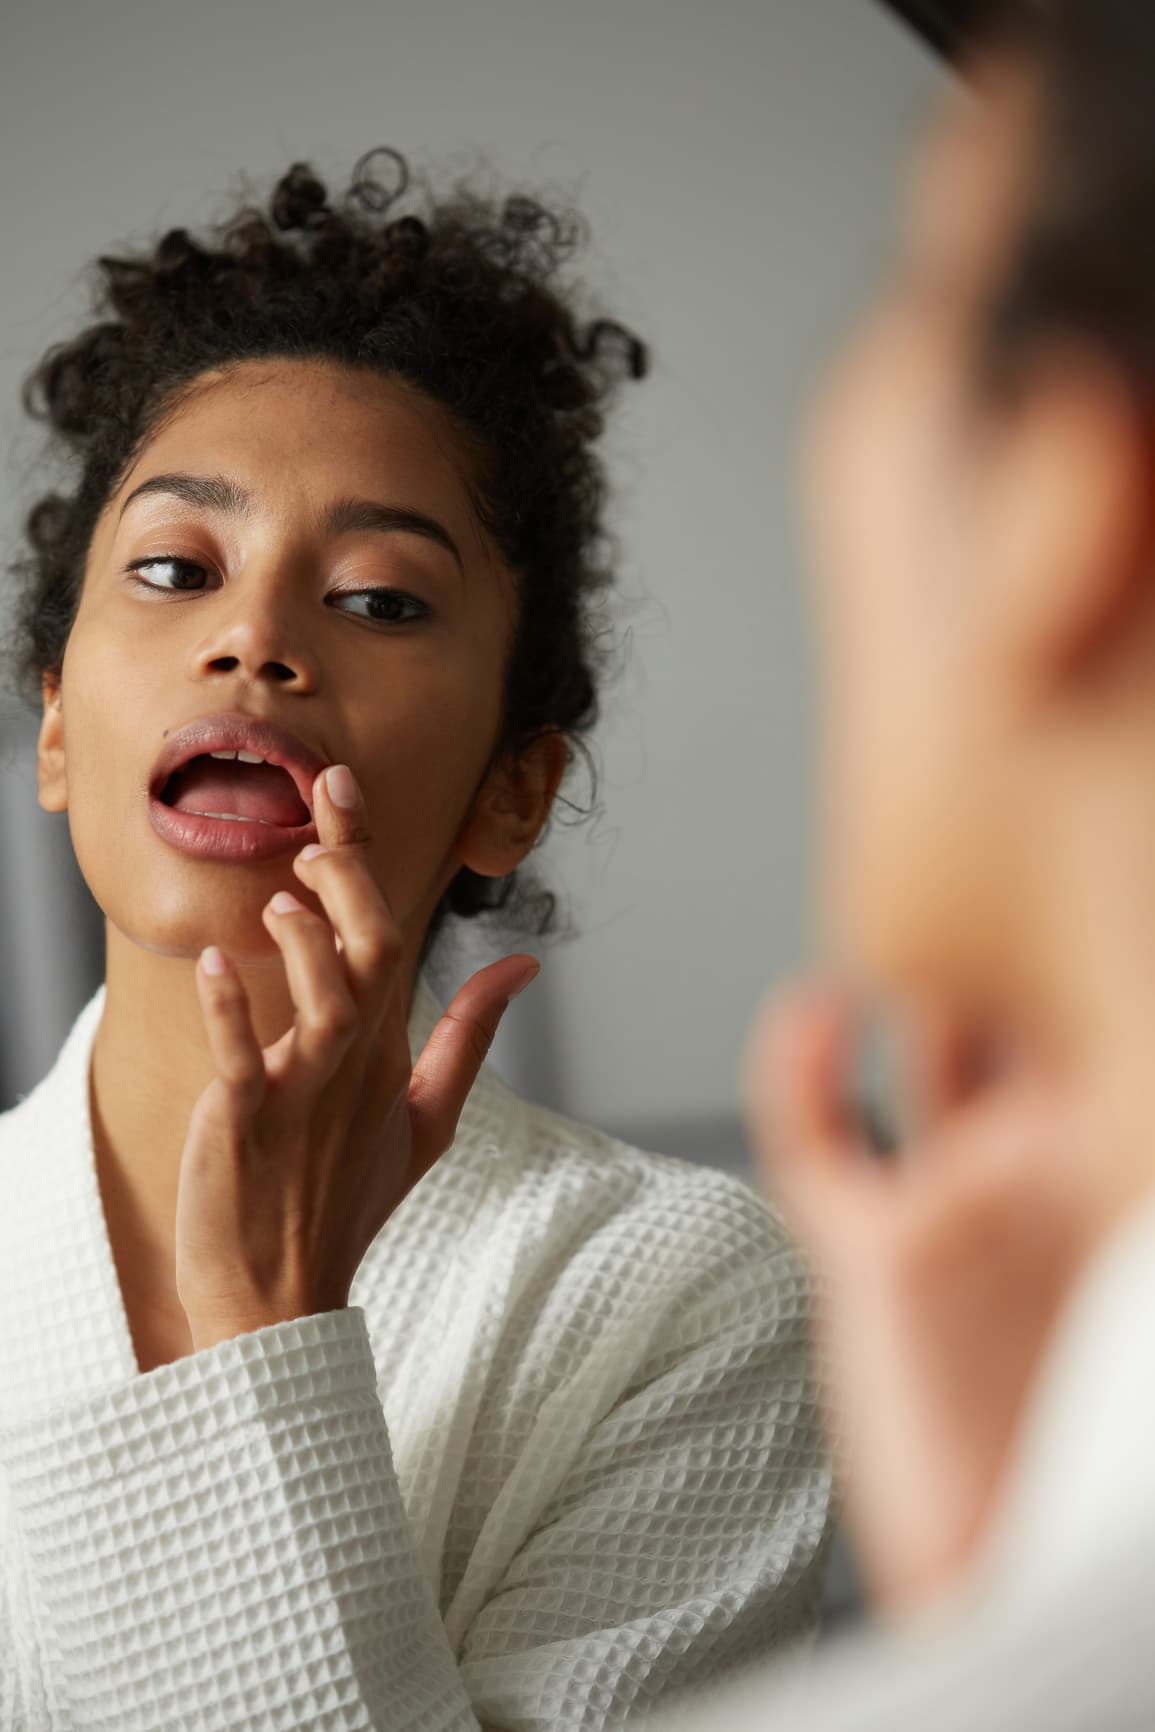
558, 1457
1054, 1630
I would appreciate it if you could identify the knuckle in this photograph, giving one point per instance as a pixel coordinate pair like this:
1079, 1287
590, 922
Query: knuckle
335, 1021
479, 1043
380, 946
477, 1038
349, 848
420, 1092
240, 1071
355, 834
214, 1113
208, 1112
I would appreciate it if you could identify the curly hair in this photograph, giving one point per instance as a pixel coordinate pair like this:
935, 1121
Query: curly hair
456, 296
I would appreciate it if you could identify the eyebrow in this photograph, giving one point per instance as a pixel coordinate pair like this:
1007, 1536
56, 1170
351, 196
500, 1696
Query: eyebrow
349, 515
345, 516
210, 492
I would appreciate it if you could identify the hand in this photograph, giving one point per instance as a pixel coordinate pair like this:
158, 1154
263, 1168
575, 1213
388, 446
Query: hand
298, 1153
941, 1271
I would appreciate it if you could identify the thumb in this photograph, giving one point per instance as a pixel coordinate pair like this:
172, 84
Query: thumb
456, 1051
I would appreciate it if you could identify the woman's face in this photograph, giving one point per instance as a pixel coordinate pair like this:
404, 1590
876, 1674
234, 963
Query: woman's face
228, 573
901, 454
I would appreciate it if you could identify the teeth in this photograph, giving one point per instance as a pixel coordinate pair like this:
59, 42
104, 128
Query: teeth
229, 755
249, 758
235, 817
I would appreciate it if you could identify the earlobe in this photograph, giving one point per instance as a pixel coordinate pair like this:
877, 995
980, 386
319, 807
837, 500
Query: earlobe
513, 806
51, 779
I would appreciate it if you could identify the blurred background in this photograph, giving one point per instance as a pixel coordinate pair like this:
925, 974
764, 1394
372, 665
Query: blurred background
736, 163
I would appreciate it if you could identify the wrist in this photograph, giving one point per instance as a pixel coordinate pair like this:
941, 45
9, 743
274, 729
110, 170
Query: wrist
209, 1331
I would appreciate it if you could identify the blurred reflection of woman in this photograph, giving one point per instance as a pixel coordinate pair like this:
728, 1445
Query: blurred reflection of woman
984, 505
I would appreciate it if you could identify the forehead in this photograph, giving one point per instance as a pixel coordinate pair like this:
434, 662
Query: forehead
322, 430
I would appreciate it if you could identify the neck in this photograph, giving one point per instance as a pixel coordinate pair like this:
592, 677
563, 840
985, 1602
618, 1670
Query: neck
1095, 966
150, 1063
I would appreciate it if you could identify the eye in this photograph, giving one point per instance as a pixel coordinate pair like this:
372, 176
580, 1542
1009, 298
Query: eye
165, 566
385, 606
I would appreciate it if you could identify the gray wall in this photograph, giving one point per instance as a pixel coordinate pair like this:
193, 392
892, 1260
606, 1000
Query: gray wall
737, 162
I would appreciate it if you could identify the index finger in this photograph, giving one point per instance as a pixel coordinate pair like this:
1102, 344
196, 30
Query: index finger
339, 810
339, 874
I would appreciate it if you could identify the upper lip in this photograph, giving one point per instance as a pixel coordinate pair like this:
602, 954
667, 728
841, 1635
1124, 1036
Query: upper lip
232, 730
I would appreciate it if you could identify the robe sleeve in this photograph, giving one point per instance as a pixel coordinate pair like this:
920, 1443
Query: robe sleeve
222, 1542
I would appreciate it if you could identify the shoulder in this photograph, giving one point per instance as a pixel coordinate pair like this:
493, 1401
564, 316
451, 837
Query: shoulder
54, 1112
34, 1133
589, 1209
682, 1201
541, 1253
15, 1123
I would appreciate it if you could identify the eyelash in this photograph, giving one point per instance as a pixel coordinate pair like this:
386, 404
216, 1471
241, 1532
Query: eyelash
424, 611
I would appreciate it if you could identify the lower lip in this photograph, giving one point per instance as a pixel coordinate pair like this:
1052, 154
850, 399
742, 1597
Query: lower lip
238, 840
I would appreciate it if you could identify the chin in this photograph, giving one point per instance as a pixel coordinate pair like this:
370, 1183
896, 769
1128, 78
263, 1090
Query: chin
184, 946
178, 951
179, 925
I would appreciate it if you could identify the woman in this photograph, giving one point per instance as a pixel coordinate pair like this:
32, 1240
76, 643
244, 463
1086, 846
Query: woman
981, 470
340, 1388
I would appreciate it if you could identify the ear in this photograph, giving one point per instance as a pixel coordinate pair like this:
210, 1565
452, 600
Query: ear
1067, 522
51, 779
513, 805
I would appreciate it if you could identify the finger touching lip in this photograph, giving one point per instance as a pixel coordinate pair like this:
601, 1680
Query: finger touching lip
236, 731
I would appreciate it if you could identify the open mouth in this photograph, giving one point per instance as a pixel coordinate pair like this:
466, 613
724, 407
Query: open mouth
239, 787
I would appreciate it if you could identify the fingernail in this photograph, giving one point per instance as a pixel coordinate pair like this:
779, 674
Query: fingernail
213, 960
311, 852
342, 788
284, 902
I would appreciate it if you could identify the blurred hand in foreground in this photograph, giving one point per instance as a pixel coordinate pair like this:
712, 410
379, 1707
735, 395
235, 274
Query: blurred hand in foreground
941, 1266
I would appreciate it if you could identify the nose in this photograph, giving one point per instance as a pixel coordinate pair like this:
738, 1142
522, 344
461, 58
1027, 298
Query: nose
261, 636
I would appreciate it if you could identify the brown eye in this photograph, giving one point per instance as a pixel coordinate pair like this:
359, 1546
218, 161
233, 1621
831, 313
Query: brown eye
162, 568
386, 606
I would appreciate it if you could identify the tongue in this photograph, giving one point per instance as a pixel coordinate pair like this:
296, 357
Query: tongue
258, 791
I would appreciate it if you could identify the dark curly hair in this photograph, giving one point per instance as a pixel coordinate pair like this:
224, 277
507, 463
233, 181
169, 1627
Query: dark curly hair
457, 296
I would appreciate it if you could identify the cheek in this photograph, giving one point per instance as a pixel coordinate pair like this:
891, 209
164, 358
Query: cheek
875, 478
112, 732
425, 736
868, 495
437, 713
879, 489
109, 708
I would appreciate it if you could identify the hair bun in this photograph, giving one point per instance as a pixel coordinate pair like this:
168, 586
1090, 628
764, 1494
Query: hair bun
299, 199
